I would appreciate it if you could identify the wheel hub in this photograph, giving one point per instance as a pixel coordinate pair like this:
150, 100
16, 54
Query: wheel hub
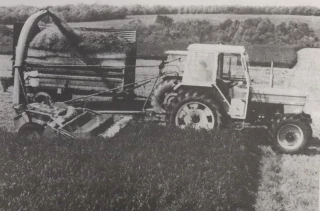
195, 118
196, 115
290, 136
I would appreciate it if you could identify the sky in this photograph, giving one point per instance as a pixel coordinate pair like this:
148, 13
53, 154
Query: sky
42, 3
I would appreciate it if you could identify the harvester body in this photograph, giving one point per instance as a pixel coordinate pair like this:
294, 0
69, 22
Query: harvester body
58, 75
38, 84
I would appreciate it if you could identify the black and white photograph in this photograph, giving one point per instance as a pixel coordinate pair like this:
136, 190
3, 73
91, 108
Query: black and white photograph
160, 105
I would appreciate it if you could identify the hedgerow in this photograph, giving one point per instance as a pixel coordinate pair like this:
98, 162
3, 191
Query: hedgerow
254, 31
264, 41
5, 40
146, 167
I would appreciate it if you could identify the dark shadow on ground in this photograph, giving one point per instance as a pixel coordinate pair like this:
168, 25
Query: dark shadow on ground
314, 147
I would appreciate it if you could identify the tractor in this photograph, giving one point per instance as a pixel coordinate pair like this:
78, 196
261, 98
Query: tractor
215, 89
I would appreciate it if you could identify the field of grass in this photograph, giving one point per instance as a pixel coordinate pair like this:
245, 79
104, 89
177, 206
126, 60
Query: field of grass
313, 21
146, 167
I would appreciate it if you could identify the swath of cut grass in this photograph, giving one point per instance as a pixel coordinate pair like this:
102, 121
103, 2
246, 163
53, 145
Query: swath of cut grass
52, 39
146, 167
288, 182
300, 182
269, 196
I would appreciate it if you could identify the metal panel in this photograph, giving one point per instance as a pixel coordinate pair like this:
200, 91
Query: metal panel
130, 35
80, 78
110, 83
75, 72
85, 88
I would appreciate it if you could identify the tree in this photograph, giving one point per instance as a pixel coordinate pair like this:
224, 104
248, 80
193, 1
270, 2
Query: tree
164, 20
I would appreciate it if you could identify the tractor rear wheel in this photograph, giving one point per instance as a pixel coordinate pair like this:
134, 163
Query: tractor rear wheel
195, 109
291, 134
163, 94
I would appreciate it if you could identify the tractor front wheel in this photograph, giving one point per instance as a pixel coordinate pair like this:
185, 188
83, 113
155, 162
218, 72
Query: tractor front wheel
291, 134
195, 109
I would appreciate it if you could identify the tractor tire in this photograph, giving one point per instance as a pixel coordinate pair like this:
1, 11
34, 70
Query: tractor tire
160, 93
30, 130
194, 108
290, 134
43, 98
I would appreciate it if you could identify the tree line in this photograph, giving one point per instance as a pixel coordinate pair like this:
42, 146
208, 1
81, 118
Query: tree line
70, 13
99, 12
250, 31
217, 9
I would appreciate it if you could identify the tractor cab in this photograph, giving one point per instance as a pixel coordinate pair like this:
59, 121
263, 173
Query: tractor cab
223, 67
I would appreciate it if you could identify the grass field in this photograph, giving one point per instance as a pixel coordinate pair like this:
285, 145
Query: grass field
313, 21
145, 167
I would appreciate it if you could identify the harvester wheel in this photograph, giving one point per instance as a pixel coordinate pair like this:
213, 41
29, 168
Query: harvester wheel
291, 134
30, 130
163, 94
196, 109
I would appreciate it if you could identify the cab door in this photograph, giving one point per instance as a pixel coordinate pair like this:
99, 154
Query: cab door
234, 73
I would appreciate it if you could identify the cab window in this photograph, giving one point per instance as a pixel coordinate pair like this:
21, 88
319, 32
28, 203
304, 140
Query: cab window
230, 67
202, 66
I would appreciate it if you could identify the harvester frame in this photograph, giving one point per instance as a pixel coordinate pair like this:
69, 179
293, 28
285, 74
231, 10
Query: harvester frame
35, 117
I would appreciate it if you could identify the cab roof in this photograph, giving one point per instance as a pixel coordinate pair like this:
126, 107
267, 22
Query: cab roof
217, 48
177, 52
